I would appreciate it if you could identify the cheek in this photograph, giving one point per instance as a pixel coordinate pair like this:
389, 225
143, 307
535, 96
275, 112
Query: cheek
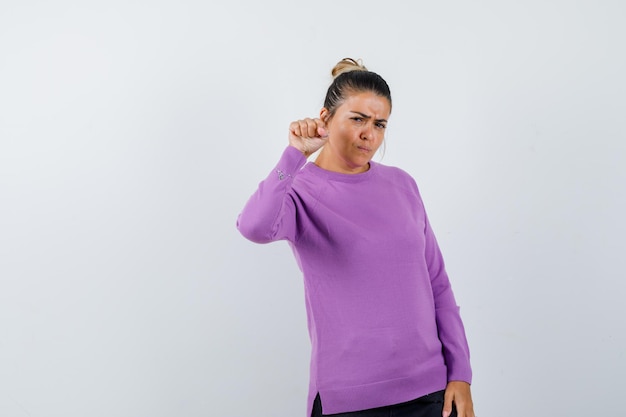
343, 135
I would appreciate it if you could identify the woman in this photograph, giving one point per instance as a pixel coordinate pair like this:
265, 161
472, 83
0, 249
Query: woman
386, 333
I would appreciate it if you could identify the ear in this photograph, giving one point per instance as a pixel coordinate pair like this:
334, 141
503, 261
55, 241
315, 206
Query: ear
324, 115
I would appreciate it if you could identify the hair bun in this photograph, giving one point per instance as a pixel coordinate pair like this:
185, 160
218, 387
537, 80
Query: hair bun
347, 65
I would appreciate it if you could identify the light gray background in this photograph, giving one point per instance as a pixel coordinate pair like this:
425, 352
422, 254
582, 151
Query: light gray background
132, 133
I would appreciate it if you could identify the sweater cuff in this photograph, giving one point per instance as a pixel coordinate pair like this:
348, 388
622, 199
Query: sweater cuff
464, 375
290, 163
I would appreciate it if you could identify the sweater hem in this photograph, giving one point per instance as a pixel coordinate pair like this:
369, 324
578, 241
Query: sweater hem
383, 393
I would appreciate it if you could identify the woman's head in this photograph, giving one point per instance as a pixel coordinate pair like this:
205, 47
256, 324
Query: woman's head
355, 114
351, 77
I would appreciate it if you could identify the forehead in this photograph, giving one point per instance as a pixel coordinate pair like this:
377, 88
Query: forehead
367, 102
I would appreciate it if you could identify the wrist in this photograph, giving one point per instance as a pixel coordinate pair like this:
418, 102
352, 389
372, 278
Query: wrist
302, 151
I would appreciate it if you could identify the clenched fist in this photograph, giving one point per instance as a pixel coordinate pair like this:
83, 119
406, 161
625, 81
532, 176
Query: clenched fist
307, 135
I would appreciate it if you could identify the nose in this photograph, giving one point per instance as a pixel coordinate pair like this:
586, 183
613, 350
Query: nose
367, 133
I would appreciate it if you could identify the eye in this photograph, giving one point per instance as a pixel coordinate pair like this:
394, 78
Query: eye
357, 119
381, 125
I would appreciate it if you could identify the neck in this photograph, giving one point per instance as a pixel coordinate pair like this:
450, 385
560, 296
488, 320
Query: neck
329, 162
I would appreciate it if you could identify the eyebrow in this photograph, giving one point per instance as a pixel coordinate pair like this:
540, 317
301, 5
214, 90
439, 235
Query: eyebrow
365, 116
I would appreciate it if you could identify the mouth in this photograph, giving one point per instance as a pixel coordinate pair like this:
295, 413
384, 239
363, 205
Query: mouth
364, 149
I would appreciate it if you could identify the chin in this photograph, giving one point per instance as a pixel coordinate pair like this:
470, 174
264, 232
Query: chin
362, 163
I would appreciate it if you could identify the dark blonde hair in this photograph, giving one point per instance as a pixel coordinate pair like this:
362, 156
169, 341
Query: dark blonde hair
351, 76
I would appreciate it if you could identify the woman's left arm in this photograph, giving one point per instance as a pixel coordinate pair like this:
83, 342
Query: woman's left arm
451, 332
447, 313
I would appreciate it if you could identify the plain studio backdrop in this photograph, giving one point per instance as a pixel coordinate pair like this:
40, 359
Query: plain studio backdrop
133, 132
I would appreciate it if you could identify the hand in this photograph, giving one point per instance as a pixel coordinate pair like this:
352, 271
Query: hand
459, 393
307, 135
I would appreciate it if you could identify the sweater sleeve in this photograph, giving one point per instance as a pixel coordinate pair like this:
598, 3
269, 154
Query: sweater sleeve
449, 323
269, 214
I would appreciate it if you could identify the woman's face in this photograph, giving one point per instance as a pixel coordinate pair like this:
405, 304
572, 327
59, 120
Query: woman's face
355, 132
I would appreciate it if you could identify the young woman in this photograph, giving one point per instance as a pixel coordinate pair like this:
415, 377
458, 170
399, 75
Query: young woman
386, 333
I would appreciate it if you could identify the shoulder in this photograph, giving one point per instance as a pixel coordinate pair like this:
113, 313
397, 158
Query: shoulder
397, 176
393, 171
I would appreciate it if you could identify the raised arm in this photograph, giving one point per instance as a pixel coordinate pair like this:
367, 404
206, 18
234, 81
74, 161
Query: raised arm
269, 214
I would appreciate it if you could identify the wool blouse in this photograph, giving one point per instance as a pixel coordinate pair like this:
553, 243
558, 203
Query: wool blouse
382, 318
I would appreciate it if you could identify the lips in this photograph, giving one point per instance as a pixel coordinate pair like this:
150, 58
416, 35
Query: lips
364, 149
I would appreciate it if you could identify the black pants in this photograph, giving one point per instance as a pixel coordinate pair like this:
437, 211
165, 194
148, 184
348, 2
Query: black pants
430, 405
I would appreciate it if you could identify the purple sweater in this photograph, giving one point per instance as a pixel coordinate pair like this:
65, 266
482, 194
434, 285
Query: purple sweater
382, 318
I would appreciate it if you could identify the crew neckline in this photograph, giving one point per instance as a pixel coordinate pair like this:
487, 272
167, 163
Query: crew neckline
340, 176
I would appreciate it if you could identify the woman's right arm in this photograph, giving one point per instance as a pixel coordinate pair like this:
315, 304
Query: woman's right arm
269, 214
